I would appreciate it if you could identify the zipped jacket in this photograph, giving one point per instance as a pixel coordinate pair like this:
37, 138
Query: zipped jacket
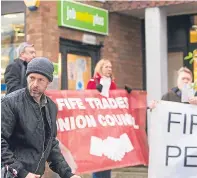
23, 135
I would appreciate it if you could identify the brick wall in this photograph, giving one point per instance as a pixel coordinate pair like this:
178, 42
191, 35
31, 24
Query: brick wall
117, 6
34, 30
122, 45
42, 30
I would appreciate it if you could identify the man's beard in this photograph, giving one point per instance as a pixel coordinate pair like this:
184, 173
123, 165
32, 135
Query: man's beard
35, 94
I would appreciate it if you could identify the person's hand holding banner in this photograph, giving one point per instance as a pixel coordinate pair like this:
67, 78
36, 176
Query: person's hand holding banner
193, 100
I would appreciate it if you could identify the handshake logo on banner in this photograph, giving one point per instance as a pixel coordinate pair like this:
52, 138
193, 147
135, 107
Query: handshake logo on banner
113, 148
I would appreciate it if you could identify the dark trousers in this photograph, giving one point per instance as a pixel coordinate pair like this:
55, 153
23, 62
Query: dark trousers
102, 174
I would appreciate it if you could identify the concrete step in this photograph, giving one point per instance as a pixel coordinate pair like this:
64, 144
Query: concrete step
131, 172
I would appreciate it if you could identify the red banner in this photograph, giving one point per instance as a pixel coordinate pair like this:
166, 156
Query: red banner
98, 133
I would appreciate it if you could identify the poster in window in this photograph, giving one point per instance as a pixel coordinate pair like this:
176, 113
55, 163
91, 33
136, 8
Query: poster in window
78, 71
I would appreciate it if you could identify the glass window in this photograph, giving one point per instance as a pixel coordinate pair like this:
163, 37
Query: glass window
193, 30
175, 62
12, 34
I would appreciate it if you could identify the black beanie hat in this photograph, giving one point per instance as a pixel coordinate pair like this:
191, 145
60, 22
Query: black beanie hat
41, 65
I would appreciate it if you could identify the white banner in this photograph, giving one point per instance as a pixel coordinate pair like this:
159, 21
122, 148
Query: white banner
173, 141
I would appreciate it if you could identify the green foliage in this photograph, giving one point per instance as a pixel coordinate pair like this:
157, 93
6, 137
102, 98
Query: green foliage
193, 85
189, 57
55, 65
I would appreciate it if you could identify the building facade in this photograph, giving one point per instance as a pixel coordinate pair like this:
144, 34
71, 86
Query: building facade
146, 42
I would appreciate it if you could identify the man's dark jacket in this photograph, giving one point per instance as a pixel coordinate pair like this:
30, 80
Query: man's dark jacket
23, 135
173, 95
15, 75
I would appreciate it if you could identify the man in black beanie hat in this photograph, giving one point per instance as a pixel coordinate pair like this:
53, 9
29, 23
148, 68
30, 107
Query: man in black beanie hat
28, 126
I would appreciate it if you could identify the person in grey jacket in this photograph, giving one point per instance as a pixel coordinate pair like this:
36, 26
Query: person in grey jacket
28, 126
174, 95
15, 72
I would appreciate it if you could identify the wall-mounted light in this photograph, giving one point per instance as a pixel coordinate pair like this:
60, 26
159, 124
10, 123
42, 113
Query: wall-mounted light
32, 5
194, 27
193, 30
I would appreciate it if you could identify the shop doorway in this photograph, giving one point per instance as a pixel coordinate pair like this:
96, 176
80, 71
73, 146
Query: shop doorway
77, 63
